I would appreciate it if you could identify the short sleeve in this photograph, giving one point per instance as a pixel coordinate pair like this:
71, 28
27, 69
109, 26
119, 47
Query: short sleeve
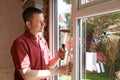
19, 52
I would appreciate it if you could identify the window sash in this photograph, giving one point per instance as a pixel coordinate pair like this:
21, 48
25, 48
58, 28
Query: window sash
91, 3
98, 8
92, 8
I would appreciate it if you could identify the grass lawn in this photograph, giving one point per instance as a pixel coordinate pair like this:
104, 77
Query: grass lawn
97, 76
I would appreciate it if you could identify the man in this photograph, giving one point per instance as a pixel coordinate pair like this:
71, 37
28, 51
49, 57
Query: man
30, 53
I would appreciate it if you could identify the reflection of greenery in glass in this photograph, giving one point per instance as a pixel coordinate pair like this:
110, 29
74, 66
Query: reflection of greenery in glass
64, 77
67, 1
68, 16
67, 25
63, 35
95, 26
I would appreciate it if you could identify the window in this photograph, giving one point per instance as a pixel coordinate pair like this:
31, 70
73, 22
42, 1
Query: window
101, 40
89, 13
85, 1
89, 3
60, 30
64, 27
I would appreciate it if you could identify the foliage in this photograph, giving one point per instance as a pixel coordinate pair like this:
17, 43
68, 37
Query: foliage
109, 45
67, 1
117, 67
68, 18
96, 25
98, 76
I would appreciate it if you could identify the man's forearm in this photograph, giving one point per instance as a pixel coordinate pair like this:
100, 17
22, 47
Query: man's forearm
38, 74
54, 60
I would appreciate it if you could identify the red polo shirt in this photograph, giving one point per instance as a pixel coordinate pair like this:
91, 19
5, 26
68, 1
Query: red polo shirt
26, 52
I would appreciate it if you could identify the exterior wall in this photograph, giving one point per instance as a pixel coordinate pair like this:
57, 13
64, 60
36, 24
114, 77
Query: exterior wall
11, 26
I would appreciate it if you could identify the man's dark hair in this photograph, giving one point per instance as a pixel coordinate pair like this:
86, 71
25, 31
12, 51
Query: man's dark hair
28, 13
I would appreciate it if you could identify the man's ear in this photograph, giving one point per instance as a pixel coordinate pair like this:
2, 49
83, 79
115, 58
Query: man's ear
28, 24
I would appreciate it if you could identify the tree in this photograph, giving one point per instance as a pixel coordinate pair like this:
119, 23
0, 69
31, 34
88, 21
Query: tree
96, 26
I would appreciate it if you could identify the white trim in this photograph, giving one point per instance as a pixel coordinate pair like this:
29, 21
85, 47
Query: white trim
107, 7
51, 30
74, 69
91, 3
93, 8
81, 49
51, 25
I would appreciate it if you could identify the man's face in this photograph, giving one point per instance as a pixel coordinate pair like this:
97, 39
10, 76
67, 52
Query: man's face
37, 23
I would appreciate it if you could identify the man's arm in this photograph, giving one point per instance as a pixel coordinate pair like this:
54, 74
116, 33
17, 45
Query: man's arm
29, 74
60, 54
54, 60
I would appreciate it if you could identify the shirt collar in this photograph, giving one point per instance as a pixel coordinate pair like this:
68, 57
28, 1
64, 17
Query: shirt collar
30, 35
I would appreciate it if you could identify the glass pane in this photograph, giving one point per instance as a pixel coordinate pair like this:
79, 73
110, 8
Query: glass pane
85, 1
100, 47
64, 31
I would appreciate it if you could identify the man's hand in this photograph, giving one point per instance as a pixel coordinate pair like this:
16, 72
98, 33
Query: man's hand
61, 53
64, 70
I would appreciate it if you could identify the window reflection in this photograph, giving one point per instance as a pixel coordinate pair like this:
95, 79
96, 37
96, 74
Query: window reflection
85, 1
64, 31
101, 38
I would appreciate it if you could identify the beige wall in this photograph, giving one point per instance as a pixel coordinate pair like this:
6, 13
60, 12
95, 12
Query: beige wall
11, 26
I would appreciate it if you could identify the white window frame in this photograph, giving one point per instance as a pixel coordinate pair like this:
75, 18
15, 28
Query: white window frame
93, 8
52, 26
91, 3
53, 22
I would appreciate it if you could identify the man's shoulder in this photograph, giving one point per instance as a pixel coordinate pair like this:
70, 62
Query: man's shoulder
20, 39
